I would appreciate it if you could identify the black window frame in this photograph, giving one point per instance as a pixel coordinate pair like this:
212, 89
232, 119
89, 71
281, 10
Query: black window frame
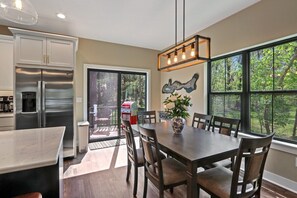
246, 91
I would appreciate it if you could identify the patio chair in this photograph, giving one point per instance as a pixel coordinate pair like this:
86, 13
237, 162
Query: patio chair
224, 183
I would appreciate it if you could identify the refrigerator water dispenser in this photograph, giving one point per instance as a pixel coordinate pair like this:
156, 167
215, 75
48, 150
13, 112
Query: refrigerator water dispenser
28, 101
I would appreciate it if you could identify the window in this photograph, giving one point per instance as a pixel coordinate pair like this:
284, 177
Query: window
226, 87
259, 86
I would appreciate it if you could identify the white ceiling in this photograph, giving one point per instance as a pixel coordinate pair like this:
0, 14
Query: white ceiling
142, 23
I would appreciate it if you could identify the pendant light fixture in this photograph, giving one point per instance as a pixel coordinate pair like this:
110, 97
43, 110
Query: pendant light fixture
192, 51
18, 11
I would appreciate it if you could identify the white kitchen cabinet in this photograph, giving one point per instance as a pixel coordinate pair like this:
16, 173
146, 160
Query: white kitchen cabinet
30, 50
6, 63
6, 122
43, 49
60, 52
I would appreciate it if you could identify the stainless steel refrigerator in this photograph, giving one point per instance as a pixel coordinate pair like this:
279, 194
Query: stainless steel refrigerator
44, 98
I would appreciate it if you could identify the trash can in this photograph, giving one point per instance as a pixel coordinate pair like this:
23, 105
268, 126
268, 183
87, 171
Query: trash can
83, 136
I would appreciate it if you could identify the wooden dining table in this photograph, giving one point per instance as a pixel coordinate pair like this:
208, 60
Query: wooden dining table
193, 147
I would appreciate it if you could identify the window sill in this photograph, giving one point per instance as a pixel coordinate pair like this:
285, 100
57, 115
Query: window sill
277, 145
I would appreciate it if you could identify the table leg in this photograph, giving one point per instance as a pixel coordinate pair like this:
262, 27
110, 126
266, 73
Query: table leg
191, 180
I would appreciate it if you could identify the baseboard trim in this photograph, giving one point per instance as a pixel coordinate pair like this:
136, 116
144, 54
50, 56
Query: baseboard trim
280, 181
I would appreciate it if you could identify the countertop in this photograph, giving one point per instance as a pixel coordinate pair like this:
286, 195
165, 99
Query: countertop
6, 115
30, 148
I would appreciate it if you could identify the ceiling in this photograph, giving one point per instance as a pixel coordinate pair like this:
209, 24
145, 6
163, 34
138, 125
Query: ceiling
142, 23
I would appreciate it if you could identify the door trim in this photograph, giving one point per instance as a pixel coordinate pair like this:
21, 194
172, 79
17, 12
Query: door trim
113, 68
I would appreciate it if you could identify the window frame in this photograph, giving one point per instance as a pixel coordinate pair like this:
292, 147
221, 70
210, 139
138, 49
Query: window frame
246, 89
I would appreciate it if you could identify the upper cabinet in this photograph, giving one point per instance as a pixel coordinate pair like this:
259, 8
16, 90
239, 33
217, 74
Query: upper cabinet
43, 49
6, 64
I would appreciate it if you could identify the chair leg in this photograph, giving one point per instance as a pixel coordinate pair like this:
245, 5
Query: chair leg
198, 191
128, 170
161, 193
145, 187
135, 180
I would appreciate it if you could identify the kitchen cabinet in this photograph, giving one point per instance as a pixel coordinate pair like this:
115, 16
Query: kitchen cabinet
31, 160
6, 63
6, 121
44, 49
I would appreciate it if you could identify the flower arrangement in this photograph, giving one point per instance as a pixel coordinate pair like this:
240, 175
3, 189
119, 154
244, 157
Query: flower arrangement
177, 105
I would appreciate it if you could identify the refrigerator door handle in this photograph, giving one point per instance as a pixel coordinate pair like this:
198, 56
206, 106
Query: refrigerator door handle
38, 103
43, 104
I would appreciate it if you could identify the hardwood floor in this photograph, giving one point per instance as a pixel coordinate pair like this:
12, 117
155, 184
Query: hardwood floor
101, 174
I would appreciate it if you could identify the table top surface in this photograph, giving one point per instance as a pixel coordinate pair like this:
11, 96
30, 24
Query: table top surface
30, 148
195, 145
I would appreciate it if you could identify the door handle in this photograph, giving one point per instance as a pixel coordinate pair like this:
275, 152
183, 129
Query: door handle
43, 104
38, 103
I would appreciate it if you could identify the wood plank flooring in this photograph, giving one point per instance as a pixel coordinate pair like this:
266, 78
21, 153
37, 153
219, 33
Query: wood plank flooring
101, 174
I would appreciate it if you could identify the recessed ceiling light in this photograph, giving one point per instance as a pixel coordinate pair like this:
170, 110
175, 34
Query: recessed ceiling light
61, 15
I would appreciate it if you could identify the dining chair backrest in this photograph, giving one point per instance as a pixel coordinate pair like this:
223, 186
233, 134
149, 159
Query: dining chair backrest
146, 117
201, 121
225, 125
151, 154
253, 152
130, 142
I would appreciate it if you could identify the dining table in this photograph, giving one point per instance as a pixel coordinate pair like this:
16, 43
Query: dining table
194, 147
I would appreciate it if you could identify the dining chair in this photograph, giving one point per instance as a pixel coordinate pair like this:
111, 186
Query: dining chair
201, 121
222, 182
224, 126
146, 117
134, 155
163, 173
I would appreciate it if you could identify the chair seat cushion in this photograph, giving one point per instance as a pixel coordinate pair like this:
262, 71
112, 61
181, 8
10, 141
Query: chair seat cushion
218, 180
173, 171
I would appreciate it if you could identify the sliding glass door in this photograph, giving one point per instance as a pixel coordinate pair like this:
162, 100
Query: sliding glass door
107, 91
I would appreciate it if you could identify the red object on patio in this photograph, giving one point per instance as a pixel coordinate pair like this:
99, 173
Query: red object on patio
129, 111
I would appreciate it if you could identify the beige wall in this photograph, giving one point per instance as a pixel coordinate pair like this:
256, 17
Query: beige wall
103, 53
262, 22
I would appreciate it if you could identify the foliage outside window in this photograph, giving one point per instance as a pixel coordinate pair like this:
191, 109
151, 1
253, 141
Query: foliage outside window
226, 87
271, 91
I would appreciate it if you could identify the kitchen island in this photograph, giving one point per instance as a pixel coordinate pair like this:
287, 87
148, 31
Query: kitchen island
31, 160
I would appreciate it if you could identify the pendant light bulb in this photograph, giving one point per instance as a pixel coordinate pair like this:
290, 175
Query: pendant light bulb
192, 50
175, 56
168, 60
184, 53
18, 4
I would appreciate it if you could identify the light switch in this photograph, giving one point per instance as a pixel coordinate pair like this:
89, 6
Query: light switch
78, 99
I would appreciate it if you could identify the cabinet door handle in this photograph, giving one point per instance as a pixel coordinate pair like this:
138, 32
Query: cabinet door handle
44, 59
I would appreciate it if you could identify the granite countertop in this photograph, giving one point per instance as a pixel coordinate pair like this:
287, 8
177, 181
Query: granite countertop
30, 148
